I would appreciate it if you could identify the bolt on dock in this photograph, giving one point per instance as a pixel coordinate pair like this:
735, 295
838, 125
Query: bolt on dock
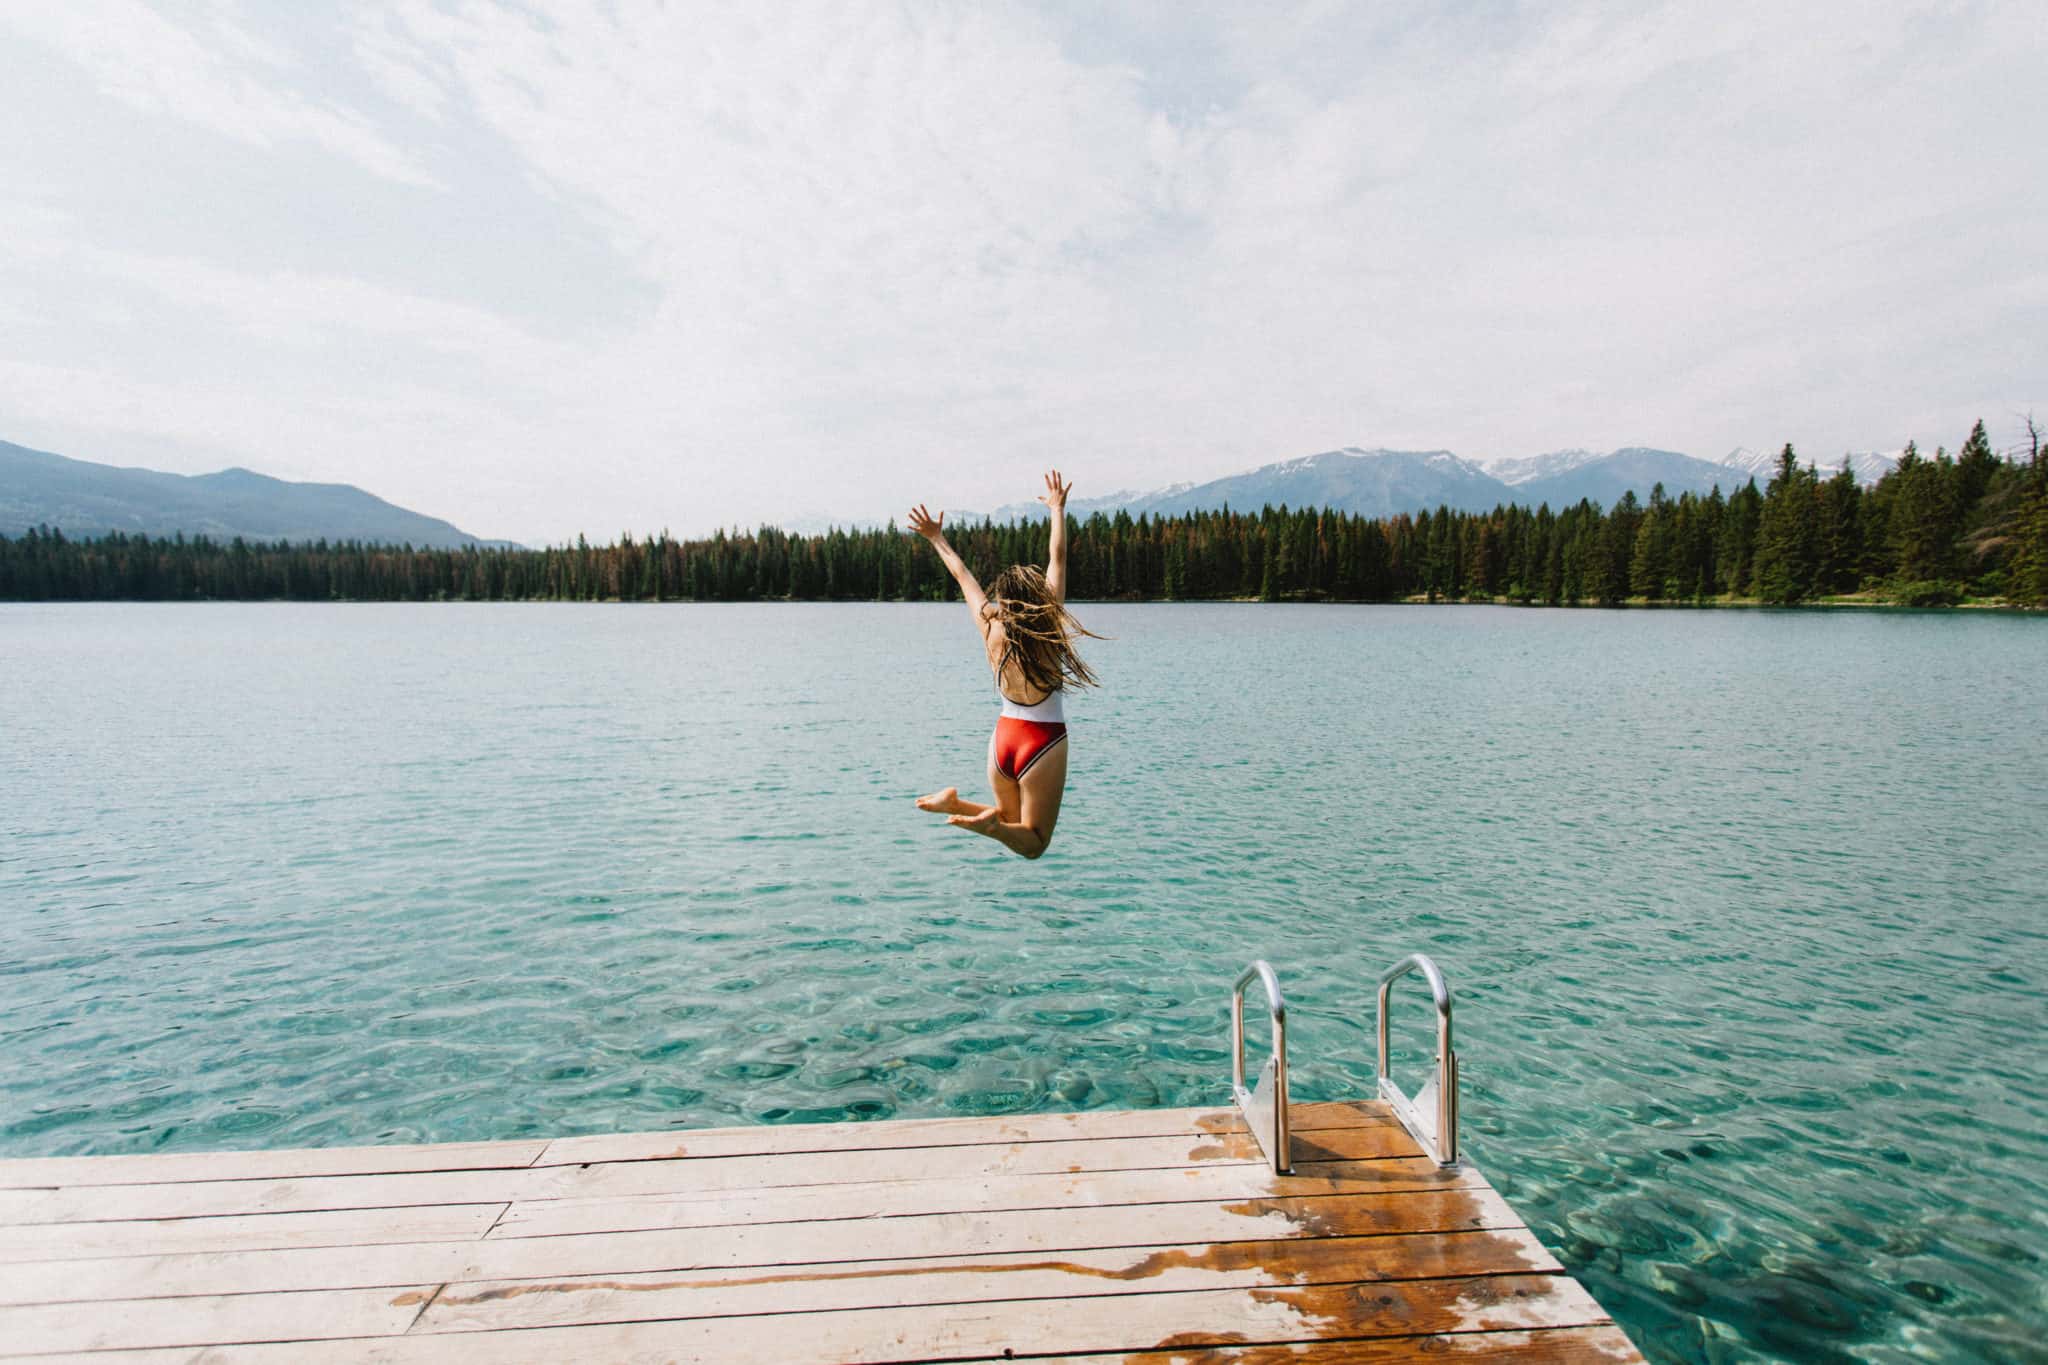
1263, 1231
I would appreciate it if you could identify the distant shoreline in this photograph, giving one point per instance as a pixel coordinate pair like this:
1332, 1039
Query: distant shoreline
1965, 531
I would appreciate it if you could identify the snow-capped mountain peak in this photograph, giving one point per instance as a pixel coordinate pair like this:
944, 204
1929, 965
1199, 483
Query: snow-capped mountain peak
1868, 465
1444, 460
1512, 470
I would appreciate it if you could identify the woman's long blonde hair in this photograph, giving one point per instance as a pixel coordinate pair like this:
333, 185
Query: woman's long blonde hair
1038, 631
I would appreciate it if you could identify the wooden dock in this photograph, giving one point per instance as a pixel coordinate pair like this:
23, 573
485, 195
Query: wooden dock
1149, 1236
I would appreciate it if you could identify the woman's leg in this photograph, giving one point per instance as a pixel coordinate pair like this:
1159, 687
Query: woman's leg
948, 800
1030, 808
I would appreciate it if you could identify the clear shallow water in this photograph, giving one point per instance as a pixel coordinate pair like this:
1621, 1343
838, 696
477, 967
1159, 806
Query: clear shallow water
1745, 911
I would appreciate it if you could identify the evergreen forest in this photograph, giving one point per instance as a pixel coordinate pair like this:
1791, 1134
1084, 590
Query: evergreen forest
1934, 531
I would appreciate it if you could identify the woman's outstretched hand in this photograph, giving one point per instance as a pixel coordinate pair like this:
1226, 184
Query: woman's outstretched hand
924, 523
1056, 490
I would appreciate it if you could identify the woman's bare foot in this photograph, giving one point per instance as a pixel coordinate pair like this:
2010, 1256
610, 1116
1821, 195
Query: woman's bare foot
981, 822
945, 802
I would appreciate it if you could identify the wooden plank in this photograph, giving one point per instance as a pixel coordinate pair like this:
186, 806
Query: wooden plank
1005, 1232
843, 1137
26, 1173
210, 1320
33, 1173
1545, 1346
348, 1227
708, 1175
1183, 1321
490, 1305
1209, 1183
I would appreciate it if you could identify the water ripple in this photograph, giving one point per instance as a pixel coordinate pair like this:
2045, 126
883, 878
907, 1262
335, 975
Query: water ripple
1744, 910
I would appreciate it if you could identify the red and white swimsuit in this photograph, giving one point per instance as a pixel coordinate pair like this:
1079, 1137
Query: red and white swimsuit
1024, 733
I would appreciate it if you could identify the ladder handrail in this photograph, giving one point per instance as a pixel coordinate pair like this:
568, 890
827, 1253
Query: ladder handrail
1441, 1134
1252, 1102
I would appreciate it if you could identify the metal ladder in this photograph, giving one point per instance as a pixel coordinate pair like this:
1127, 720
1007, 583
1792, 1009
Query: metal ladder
1431, 1118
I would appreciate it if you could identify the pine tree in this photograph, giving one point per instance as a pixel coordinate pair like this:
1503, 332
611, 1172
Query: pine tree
2028, 583
1787, 533
1441, 556
1880, 562
1975, 465
1736, 550
1706, 537
1580, 552
1841, 533
1617, 542
1553, 565
1923, 520
1651, 567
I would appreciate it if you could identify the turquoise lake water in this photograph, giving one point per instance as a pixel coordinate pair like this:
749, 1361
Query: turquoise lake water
1744, 910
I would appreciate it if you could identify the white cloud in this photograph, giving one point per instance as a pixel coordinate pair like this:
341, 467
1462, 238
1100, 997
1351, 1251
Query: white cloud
841, 177
706, 263
401, 70
215, 73
307, 310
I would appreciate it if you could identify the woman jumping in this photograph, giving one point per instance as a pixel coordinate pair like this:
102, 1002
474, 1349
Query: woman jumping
1027, 633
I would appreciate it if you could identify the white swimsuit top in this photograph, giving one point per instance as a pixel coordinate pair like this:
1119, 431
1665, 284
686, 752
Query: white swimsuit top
1048, 712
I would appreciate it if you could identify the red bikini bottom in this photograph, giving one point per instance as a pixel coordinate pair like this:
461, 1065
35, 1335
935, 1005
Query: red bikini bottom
1021, 743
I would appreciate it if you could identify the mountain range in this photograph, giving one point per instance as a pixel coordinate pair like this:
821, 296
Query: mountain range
1382, 483
1349, 479
80, 498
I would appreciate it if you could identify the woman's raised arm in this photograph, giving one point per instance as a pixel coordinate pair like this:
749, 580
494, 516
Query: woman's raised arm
1055, 499
928, 526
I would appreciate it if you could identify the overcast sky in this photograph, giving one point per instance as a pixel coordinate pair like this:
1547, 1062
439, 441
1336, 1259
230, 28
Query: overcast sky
548, 268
